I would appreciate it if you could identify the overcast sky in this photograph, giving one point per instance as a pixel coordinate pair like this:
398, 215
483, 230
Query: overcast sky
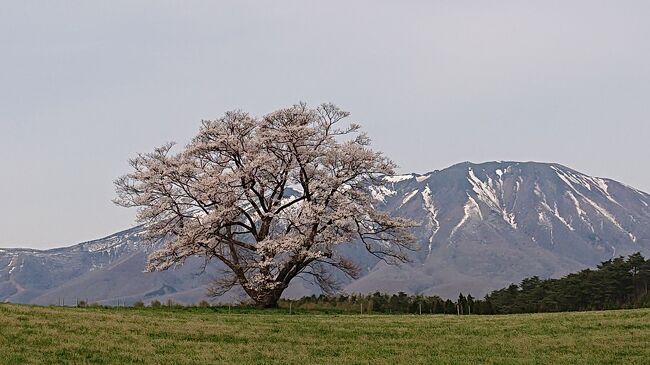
86, 85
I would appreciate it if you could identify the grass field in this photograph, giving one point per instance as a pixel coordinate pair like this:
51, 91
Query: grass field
167, 336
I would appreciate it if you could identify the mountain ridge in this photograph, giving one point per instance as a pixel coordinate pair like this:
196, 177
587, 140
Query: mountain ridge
480, 226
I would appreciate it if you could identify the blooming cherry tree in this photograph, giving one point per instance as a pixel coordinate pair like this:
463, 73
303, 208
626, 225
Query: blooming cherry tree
270, 197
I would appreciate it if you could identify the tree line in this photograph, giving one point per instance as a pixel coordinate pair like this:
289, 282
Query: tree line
614, 284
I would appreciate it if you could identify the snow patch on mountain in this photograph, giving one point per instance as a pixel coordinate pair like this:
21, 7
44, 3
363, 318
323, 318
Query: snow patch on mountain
409, 197
570, 179
485, 192
398, 178
610, 217
380, 193
422, 178
471, 209
559, 216
491, 194
433, 213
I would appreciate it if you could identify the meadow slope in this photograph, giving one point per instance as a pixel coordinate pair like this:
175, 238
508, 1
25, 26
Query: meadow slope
149, 336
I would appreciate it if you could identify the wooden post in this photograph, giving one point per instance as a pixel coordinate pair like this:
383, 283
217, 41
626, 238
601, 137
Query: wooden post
420, 308
361, 308
289, 307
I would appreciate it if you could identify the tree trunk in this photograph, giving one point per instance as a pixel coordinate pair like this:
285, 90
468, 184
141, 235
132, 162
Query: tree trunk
269, 299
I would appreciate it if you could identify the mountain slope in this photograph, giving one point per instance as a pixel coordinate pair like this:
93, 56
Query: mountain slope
480, 227
103, 271
483, 226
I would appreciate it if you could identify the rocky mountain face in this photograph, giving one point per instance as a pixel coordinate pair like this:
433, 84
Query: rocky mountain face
480, 227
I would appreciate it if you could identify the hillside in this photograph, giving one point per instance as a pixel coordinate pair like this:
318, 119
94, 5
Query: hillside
481, 227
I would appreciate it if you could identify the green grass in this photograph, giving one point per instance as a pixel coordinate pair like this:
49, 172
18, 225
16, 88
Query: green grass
166, 336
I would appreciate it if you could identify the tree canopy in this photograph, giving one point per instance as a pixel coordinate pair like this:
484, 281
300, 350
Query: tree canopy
271, 198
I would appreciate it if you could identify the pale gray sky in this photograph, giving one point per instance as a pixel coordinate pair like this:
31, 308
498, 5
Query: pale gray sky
84, 85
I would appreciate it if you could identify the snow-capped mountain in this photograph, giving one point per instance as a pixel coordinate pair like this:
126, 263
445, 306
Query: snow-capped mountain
103, 271
481, 227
